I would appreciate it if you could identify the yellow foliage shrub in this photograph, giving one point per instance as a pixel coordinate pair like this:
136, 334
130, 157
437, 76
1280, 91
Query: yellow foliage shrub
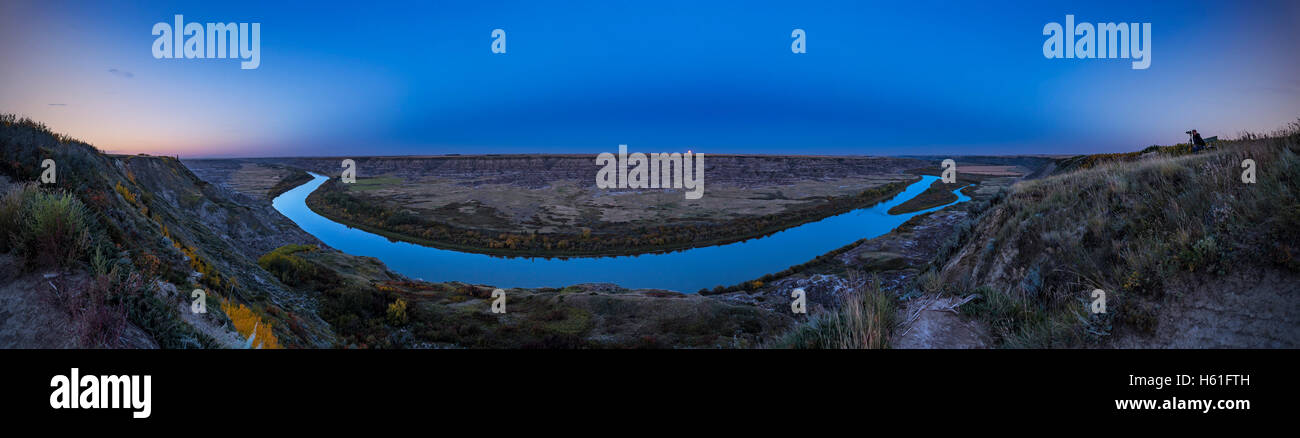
245, 319
397, 312
126, 193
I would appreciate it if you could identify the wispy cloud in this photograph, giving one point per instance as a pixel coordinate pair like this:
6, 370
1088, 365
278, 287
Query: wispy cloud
57, 104
121, 73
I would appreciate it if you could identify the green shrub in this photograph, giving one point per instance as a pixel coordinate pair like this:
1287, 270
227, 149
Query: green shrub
12, 209
291, 269
1018, 322
1202, 255
54, 231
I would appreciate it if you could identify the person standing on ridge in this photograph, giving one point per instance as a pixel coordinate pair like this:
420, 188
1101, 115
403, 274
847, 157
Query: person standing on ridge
1197, 142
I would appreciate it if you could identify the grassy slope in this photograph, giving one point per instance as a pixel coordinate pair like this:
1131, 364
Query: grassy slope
372, 308
1123, 223
145, 221
1126, 223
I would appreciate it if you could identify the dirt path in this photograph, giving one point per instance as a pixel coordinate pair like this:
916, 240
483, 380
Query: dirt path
933, 322
1252, 308
29, 317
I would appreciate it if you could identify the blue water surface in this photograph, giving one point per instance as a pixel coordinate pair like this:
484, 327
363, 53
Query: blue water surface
686, 271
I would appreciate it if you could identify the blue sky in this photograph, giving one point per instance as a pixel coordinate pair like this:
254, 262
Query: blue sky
582, 77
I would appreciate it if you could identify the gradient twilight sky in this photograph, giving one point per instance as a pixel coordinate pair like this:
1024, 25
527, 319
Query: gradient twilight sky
368, 78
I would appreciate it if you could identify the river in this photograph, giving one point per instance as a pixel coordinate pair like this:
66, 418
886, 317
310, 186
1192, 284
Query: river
685, 271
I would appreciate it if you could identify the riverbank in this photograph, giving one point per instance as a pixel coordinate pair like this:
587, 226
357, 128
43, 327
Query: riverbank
686, 270
548, 206
331, 202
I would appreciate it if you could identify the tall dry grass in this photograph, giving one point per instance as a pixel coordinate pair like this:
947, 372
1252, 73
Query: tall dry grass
865, 318
1126, 226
